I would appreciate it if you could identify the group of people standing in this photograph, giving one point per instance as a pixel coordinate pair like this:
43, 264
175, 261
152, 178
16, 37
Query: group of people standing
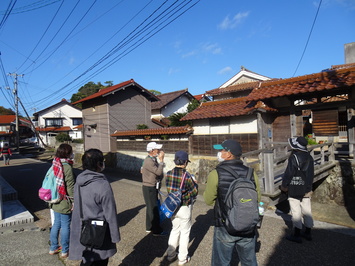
99, 202
218, 182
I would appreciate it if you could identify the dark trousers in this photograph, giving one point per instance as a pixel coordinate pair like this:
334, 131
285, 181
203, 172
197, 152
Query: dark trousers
95, 263
152, 221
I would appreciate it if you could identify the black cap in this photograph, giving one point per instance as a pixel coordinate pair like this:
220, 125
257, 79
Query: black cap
230, 145
182, 155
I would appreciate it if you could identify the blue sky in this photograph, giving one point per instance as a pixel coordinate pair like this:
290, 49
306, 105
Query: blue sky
198, 47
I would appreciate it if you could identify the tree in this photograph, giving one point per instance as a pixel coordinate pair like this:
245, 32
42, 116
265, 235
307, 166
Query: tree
6, 111
89, 89
155, 92
175, 120
193, 105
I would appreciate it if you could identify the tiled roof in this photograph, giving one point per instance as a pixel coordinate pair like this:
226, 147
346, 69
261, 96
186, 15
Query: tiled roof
234, 88
326, 80
8, 119
343, 66
53, 129
154, 131
167, 98
224, 108
103, 92
79, 126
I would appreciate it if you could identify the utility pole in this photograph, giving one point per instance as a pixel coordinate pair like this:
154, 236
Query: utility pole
16, 109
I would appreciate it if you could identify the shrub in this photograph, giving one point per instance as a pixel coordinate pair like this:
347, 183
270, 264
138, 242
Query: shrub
62, 137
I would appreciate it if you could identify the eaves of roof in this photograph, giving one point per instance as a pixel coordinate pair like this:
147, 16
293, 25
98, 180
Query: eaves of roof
53, 129
169, 97
154, 131
234, 88
323, 81
63, 101
225, 108
109, 90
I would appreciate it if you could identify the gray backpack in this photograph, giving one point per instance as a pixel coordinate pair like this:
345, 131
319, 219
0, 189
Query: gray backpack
240, 213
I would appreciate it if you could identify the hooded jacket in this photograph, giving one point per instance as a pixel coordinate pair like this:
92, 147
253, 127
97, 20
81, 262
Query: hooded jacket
306, 164
98, 203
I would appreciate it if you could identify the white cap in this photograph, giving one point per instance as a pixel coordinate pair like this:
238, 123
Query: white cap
153, 145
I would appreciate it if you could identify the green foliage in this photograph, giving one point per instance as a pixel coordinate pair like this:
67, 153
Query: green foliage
193, 105
78, 140
155, 92
6, 111
175, 120
62, 137
310, 140
142, 126
89, 89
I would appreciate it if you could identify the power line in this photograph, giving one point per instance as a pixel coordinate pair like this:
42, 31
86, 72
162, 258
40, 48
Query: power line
132, 47
309, 36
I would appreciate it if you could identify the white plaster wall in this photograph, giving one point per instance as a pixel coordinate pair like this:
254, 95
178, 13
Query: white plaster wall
242, 124
64, 111
177, 106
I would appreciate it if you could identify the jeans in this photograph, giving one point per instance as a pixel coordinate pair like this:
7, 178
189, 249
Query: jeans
62, 224
180, 233
223, 246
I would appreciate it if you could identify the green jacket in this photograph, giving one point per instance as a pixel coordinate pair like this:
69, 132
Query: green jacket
65, 205
210, 194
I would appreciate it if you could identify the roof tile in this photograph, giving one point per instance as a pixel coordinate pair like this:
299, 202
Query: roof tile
154, 131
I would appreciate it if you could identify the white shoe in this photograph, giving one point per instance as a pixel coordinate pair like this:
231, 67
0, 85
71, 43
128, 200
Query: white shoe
187, 260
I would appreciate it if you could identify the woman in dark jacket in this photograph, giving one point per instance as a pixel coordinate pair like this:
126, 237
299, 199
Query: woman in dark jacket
98, 203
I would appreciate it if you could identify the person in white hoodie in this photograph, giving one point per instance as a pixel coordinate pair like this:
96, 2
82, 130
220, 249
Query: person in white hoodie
98, 203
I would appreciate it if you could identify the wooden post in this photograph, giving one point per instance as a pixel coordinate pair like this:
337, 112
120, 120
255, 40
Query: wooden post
322, 160
269, 183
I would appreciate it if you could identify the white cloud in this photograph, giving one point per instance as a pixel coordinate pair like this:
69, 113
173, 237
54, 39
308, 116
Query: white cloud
225, 70
212, 48
192, 53
173, 71
228, 23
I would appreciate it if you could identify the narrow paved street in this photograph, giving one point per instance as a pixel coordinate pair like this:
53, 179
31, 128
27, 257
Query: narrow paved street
139, 248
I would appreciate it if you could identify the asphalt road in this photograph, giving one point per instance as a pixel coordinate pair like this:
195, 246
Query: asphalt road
28, 245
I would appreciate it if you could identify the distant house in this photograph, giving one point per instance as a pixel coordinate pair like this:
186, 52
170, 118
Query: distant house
170, 103
117, 108
8, 129
202, 98
60, 117
260, 112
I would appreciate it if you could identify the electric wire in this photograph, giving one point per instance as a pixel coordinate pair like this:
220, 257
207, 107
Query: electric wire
6, 84
33, 6
125, 52
309, 37
7, 12
54, 36
44, 33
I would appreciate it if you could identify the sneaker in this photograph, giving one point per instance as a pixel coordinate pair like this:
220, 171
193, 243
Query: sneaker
187, 260
294, 238
160, 234
64, 255
148, 231
173, 258
53, 252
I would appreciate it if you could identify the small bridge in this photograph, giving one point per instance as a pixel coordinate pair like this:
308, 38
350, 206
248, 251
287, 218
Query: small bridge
271, 162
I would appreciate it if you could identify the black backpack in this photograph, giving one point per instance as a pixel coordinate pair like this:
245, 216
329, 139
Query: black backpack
240, 213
